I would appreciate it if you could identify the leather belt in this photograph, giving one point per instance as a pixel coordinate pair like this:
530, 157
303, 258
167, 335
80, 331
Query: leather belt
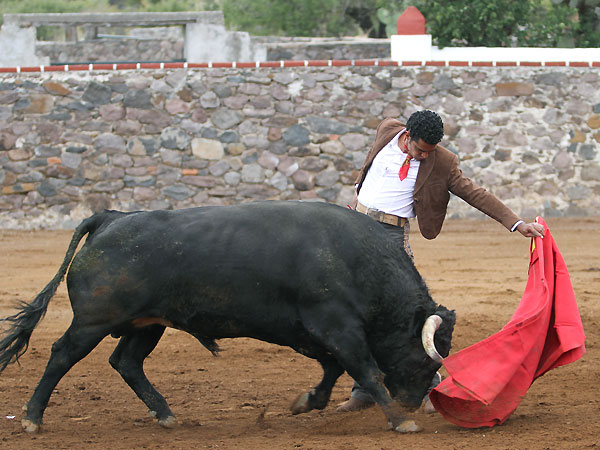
380, 216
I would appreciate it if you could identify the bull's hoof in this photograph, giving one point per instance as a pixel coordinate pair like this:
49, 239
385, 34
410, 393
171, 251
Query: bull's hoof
408, 426
428, 407
29, 426
301, 404
354, 404
168, 422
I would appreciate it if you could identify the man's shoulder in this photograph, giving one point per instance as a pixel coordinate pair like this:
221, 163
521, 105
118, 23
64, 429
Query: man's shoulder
445, 155
390, 123
388, 128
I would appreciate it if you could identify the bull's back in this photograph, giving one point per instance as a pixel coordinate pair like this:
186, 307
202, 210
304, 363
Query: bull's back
222, 269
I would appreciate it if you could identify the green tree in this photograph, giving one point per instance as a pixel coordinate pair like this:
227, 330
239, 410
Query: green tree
587, 18
499, 23
299, 17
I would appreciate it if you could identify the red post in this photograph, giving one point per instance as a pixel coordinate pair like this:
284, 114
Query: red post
411, 22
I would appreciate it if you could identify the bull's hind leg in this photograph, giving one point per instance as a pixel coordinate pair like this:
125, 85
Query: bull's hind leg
74, 345
128, 360
318, 397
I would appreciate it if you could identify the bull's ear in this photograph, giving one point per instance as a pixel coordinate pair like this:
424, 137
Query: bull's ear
419, 320
448, 315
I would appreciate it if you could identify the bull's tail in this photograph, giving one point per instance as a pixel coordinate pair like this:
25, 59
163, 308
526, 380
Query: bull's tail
21, 325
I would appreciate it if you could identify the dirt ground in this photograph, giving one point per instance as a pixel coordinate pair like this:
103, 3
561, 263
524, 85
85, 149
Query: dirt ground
241, 399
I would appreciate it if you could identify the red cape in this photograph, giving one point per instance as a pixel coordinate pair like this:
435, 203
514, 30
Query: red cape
488, 380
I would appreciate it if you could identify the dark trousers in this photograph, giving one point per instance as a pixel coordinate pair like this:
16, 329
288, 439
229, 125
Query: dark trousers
401, 235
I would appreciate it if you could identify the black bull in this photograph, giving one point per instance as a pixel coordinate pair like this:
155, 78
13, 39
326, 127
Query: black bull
326, 281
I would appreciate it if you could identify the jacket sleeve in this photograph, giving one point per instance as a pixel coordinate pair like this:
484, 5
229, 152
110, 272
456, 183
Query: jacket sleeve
479, 197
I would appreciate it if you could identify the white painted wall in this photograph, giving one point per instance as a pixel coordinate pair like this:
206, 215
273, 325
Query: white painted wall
17, 47
414, 48
213, 43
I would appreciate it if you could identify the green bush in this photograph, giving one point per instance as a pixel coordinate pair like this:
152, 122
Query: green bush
587, 19
289, 17
497, 23
505, 23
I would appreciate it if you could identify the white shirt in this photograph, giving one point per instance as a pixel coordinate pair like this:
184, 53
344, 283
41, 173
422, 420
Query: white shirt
382, 188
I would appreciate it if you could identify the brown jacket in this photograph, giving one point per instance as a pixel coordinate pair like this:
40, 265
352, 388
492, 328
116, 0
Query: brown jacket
438, 176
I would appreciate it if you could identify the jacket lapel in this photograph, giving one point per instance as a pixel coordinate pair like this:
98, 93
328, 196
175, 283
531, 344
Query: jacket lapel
425, 169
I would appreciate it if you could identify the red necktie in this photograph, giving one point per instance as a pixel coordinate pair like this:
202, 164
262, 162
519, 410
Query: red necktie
403, 173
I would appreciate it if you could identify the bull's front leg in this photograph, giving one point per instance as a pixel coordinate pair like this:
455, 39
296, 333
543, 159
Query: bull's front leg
351, 352
370, 379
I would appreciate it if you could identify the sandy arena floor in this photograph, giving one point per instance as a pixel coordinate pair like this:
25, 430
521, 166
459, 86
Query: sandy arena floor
240, 400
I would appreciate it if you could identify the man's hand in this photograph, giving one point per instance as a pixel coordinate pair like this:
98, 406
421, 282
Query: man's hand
531, 229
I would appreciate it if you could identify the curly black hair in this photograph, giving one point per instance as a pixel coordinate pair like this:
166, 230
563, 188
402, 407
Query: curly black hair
425, 125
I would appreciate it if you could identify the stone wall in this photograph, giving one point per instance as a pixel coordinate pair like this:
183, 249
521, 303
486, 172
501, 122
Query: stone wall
298, 48
76, 142
111, 50
171, 48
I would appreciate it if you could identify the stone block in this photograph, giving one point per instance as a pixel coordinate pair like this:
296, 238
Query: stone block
208, 149
327, 178
177, 192
55, 88
355, 141
224, 118
219, 168
313, 163
252, 173
303, 180
111, 112
19, 188
199, 180
477, 95
514, 89
97, 94
35, 104
288, 166
268, 160
591, 172
174, 138
577, 136
296, 136
19, 154
274, 134
176, 106
594, 121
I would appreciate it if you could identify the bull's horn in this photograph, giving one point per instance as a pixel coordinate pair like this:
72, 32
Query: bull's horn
431, 325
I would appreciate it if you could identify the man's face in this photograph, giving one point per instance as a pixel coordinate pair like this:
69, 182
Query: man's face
419, 149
